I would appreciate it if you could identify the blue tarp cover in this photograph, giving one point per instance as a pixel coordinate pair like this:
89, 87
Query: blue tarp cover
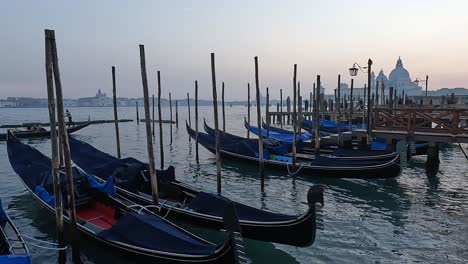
213, 204
44, 195
15, 259
283, 137
107, 187
148, 231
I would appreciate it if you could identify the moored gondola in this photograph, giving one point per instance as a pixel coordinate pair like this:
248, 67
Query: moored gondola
42, 134
247, 150
13, 249
115, 222
192, 205
305, 150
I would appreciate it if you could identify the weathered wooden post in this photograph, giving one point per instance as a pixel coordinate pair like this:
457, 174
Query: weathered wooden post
116, 118
427, 80
138, 117
299, 109
189, 116
390, 97
170, 114
338, 106
267, 113
351, 106
66, 150
248, 108
177, 114
154, 119
215, 106
316, 119
294, 117
54, 145
288, 109
161, 141
149, 141
196, 122
281, 108
223, 108
314, 105
259, 124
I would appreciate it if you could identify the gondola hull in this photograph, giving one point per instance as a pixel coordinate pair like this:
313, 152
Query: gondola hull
42, 134
139, 252
373, 169
262, 225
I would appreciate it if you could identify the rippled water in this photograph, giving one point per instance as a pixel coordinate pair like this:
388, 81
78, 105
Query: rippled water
413, 218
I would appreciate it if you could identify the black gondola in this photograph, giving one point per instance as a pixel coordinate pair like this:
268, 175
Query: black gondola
42, 134
247, 150
13, 248
305, 150
187, 203
115, 222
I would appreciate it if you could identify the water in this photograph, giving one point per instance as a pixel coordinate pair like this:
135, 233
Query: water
413, 218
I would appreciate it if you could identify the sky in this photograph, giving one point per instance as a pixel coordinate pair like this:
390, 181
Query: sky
322, 37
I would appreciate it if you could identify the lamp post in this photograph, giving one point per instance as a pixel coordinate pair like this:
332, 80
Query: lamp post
417, 81
353, 71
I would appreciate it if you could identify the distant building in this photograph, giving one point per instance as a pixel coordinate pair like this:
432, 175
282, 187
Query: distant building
100, 99
399, 79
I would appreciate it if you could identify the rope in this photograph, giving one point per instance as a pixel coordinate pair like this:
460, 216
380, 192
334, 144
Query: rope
464, 153
170, 208
291, 173
36, 245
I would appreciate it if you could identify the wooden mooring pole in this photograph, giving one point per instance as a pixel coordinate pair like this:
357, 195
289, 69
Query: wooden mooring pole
259, 124
248, 108
137, 117
281, 108
170, 115
223, 108
177, 114
215, 108
267, 113
116, 118
189, 116
351, 106
317, 119
149, 141
55, 147
196, 122
154, 119
338, 106
294, 117
161, 141
66, 150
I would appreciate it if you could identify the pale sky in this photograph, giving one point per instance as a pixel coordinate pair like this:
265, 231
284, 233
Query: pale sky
322, 37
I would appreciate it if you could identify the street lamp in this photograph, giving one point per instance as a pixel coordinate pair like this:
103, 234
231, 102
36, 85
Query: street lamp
417, 81
353, 71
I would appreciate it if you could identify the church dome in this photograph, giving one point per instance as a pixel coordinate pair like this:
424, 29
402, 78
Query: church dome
399, 73
381, 77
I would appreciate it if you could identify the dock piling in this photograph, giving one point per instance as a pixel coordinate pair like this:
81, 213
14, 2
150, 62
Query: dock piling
149, 141
259, 124
196, 122
116, 118
215, 108
161, 141
54, 146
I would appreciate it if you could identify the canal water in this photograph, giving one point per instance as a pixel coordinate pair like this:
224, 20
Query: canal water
412, 218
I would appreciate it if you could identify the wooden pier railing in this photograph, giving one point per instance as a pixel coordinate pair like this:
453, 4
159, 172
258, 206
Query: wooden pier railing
422, 119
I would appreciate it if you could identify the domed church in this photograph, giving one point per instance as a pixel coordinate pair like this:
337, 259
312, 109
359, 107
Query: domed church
399, 79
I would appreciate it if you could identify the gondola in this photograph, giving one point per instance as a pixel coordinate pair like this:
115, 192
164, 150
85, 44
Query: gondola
329, 126
13, 249
247, 150
305, 150
113, 221
189, 204
42, 134
283, 137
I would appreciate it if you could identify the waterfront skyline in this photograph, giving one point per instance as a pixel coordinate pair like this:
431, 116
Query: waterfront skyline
322, 38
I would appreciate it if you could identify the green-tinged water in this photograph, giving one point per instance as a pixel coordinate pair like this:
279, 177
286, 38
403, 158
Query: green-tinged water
413, 218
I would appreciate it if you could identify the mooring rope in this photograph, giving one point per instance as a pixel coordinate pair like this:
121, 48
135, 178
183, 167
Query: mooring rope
35, 244
464, 153
291, 173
